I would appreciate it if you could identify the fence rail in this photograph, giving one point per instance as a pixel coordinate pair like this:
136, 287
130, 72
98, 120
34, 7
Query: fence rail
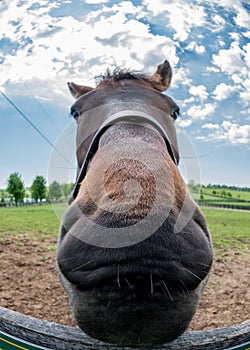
28, 204
30, 333
202, 203
212, 204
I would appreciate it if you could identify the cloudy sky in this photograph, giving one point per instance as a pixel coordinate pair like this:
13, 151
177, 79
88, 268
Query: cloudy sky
47, 43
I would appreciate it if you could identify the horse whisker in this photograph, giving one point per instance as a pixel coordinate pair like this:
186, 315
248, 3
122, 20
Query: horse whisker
186, 291
130, 285
193, 274
109, 302
202, 282
169, 294
151, 284
118, 277
79, 267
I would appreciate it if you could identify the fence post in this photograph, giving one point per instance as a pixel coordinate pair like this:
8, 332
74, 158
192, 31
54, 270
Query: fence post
17, 329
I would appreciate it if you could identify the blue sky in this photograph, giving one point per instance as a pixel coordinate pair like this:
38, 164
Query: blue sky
47, 43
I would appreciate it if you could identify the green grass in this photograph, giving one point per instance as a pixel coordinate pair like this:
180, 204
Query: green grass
242, 195
229, 229
219, 195
216, 196
33, 219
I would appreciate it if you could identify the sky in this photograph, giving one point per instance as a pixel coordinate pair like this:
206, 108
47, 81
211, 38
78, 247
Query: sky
45, 44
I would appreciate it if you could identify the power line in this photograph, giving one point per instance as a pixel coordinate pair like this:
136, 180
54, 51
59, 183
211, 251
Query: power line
39, 104
33, 125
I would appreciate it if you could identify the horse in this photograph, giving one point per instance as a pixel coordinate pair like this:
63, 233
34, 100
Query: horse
134, 249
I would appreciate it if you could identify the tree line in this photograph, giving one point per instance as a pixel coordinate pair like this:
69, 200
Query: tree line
226, 187
38, 191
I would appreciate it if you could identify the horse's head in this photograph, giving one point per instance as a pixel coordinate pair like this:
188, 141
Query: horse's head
134, 250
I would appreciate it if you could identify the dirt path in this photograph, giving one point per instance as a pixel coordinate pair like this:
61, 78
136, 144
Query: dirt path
29, 284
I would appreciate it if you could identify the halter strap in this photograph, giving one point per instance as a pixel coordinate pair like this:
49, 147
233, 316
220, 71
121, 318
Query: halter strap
131, 116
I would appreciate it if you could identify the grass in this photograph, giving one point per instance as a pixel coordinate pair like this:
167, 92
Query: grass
42, 219
220, 196
242, 195
229, 228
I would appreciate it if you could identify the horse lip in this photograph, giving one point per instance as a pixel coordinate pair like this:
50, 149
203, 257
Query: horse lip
114, 275
115, 285
126, 291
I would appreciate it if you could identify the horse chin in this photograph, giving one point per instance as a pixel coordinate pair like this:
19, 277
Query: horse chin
128, 320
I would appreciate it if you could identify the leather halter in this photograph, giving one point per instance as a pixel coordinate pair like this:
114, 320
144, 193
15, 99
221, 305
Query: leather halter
131, 116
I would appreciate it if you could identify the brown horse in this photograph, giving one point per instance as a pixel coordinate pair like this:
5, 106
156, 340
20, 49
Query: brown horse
134, 250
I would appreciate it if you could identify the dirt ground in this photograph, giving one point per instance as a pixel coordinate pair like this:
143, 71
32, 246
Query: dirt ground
29, 284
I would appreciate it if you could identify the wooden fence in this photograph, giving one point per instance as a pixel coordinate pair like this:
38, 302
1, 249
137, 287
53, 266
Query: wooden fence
213, 204
18, 331
28, 204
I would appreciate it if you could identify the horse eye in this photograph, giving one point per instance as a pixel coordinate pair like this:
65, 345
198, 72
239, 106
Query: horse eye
75, 112
175, 113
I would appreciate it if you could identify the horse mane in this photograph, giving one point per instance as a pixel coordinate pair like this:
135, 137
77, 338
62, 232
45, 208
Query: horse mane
118, 74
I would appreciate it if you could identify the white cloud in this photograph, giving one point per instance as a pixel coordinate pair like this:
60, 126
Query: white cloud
210, 126
245, 95
202, 111
212, 69
182, 16
235, 36
96, 1
229, 61
246, 34
193, 46
221, 43
199, 91
183, 123
235, 62
188, 100
223, 91
181, 77
246, 49
237, 79
217, 23
235, 133
226, 3
243, 17
62, 48
219, 20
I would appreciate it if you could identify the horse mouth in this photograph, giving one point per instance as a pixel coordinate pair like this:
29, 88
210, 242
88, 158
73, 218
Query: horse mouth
134, 310
129, 289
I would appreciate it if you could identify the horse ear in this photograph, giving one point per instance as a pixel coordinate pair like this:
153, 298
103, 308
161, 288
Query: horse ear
78, 90
161, 79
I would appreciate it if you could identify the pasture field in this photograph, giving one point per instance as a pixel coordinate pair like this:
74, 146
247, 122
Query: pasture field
236, 194
220, 196
229, 228
32, 219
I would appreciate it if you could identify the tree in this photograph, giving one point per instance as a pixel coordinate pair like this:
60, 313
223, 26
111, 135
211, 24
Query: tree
223, 193
38, 188
16, 187
55, 190
66, 189
201, 195
2, 196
